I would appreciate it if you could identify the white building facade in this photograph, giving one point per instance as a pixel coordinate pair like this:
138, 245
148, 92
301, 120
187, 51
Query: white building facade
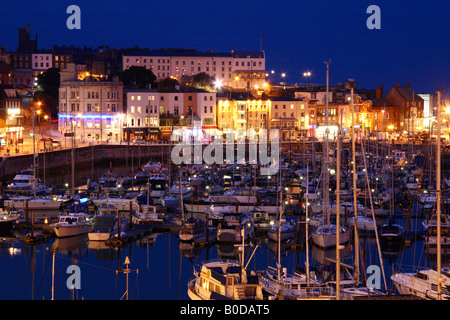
238, 69
91, 110
41, 61
154, 114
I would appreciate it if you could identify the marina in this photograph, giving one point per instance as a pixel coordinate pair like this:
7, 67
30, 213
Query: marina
186, 165
170, 246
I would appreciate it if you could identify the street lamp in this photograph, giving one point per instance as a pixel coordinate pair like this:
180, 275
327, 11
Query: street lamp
218, 84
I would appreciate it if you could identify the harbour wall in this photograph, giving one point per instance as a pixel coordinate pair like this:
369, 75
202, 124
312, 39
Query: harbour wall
55, 167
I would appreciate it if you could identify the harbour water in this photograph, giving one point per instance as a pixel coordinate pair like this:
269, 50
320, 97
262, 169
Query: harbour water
161, 265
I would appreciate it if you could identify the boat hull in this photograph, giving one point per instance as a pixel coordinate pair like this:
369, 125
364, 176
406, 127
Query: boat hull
99, 236
70, 231
328, 239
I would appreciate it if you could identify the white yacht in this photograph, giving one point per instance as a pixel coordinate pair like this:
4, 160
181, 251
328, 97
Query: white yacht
24, 183
325, 236
364, 224
20, 203
72, 224
148, 216
423, 283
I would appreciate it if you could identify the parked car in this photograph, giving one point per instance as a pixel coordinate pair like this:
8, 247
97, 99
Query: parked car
139, 141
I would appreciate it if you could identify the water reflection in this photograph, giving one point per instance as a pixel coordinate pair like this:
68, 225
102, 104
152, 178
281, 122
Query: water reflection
166, 264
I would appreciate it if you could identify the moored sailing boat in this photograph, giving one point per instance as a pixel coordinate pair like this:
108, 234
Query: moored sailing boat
429, 283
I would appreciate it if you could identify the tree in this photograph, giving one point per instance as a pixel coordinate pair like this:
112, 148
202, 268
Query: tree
137, 77
47, 91
203, 80
168, 83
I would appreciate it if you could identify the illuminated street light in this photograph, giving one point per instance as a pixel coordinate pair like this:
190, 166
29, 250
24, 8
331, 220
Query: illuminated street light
218, 84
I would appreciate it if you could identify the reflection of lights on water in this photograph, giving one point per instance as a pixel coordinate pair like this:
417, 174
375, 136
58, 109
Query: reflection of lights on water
14, 251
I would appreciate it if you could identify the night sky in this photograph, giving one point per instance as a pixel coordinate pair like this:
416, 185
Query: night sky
411, 46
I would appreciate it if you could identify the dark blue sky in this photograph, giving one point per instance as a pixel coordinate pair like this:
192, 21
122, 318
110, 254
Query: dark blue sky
413, 44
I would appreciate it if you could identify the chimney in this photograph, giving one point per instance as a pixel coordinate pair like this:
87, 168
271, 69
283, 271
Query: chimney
379, 92
397, 84
408, 85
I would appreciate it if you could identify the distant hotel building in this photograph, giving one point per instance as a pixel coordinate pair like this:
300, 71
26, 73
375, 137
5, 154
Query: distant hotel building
239, 111
92, 110
238, 69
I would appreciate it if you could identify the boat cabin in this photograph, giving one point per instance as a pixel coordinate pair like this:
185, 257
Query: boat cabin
229, 281
72, 219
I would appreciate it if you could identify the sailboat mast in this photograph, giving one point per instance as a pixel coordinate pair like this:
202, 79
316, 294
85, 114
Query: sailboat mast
338, 195
181, 198
279, 223
355, 211
326, 172
34, 153
438, 194
307, 226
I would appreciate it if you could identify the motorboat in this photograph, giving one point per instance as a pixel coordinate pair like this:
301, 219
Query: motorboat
431, 229
8, 219
392, 232
229, 229
196, 231
108, 180
152, 167
106, 224
170, 201
224, 280
103, 227
21, 203
423, 283
262, 220
25, 183
288, 230
158, 185
72, 224
148, 216
186, 190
